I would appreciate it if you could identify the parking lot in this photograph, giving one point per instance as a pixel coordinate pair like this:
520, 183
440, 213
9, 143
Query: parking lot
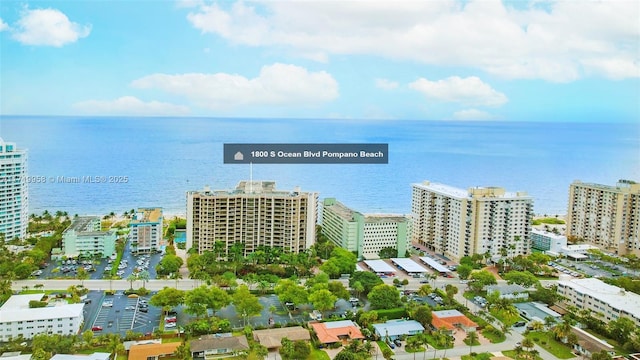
119, 313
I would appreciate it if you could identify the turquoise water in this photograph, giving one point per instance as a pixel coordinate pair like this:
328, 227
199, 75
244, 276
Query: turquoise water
180, 236
163, 158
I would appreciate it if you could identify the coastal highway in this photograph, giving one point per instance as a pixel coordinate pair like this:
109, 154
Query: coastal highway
188, 284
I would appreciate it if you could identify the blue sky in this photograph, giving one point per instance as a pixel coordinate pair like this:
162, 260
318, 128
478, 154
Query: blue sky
432, 60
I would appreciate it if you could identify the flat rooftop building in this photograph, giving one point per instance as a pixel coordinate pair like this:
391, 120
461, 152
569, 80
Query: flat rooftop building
455, 222
254, 214
14, 191
365, 234
18, 319
84, 238
606, 302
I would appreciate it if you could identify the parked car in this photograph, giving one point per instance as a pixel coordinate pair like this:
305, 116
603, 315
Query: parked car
171, 319
397, 342
169, 325
96, 328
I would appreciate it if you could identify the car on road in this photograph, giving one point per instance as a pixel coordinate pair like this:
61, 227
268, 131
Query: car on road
519, 324
130, 308
107, 304
424, 281
96, 328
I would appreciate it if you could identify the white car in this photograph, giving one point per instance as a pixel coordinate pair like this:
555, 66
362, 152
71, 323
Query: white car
169, 325
107, 304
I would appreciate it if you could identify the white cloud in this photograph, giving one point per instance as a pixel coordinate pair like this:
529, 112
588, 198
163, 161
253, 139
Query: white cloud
472, 114
129, 105
561, 42
48, 27
468, 91
277, 84
386, 84
3, 25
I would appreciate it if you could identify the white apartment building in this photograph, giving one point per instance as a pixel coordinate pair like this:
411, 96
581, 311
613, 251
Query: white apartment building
606, 302
255, 214
145, 233
16, 318
365, 234
14, 191
606, 216
456, 222
84, 238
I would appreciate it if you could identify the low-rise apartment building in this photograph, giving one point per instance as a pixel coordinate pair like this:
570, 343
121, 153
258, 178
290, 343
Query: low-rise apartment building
17, 318
606, 302
365, 234
84, 238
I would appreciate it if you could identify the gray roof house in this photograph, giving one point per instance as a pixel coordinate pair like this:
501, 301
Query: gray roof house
396, 328
218, 345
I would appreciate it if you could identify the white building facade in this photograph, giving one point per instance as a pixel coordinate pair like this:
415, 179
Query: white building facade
14, 191
17, 319
605, 302
456, 222
145, 233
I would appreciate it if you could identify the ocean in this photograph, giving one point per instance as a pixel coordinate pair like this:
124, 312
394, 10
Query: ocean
163, 158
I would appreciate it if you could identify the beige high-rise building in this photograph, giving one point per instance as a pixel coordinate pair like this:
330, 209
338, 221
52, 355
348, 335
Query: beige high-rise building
456, 222
255, 214
145, 233
605, 216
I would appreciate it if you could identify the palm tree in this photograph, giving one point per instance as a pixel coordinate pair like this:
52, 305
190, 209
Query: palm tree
562, 330
471, 339
131, 278
144, 276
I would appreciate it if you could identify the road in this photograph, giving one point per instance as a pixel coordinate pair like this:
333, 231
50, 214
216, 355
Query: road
188, 284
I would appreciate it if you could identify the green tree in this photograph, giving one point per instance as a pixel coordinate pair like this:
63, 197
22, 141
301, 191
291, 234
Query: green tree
199, 300
367, 318
388, 252
342, 261
289, 291
131, 278
167, 298
464, 271
471, 339
323, 300
246, 304
367, 279
339, 290
384, 297
601, 355
169, 264
294, 350
480, 279
422, 314
561, 330
523, 278
621, 329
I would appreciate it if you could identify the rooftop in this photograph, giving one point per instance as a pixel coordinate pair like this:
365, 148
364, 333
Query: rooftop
409, 265
476, 192
331, 332
94, 356
380, 266
450, 319
143, 352
251, 189
219, 342
271, 338
398, 327
17, 309
83, 224
147, 215
341, 210
614, 296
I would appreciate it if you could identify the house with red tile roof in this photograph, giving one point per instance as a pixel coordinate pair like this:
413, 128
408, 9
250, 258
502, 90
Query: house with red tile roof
336, 331
452, 319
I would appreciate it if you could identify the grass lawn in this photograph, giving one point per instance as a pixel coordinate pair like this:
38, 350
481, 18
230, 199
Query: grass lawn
494, 336
171, 340
481, 356
431, 341
382, 345
505, 318
475, 343
512, 354
317, 354
547, 342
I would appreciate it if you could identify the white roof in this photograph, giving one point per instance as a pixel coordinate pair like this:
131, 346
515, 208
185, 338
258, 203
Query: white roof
613, 296
577, 255
17, 309
94, 356
444, 189
379, 266
339, 324
409, 265
434, 264
398, 327
359, 268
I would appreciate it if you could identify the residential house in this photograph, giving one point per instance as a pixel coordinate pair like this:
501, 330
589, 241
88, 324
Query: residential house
394, 329
152, 351
218, 345
272, 338
451, 320
336, 331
